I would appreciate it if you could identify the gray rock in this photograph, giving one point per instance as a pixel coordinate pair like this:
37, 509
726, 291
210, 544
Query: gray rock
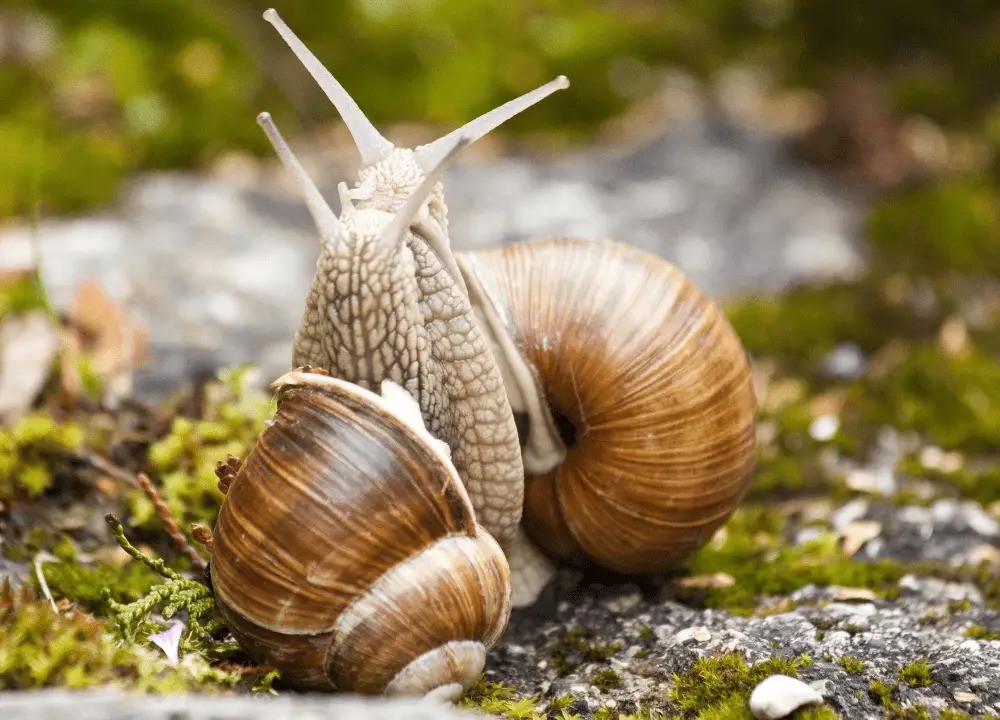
112, 705
217, 269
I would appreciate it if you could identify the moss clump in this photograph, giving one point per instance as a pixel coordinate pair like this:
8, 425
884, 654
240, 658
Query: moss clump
755, 554
499, 699
91, 587
851, 664
134, 621
959, 606
605, 680
29, 450
184, 460
822, 317
955, 226
725, 681
22, 295
952, 400
893, 709
978, 632
40, 647
916, 674
575, 646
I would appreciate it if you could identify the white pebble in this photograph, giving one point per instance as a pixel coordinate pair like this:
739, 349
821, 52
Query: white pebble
779, 696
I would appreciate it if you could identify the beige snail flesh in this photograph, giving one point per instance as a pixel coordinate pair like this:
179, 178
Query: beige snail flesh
347, 554
646, 380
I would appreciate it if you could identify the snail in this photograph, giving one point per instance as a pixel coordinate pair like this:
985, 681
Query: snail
346, 552
631, 390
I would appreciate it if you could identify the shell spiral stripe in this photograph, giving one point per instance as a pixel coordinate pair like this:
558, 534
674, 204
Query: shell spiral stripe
656, 387
319, 538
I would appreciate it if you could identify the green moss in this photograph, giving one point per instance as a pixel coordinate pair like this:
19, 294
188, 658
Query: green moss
43, 648
499, 699
22, 295
606, 679
978, 632
90, 587
29, 453
955, 226
755, 554
959, 606
183, 461
953, 401
822, 317
715, 681
576, 646
916, 674
851, 664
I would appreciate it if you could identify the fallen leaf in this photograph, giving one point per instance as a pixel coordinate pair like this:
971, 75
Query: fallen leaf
857, 533
854, 595
102, 331
714, 580
27, 345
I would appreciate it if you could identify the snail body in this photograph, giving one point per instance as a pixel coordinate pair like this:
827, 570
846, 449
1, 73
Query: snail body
347, 553
633, 391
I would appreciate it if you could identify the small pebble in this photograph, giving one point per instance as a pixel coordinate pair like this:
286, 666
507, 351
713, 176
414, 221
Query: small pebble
699, 633
779, 696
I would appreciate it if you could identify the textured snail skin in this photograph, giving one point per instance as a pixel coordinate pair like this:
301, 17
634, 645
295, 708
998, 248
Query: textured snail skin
655, 384
347, 554
376, 312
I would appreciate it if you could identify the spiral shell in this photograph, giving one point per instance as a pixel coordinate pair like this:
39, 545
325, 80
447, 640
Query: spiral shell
649, 386
346, 553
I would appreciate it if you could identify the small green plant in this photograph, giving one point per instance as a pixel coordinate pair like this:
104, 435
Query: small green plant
851, 664
606, 680
978, 632
134, 621
726, 681
29, 453
916, 674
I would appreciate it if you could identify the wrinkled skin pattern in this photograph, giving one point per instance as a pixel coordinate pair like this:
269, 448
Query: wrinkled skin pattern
384, 310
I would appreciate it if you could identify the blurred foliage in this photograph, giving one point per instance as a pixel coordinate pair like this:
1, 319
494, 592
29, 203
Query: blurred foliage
29, 453
92, 89
183, 462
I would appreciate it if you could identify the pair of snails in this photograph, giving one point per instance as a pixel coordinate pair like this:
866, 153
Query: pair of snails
567, 400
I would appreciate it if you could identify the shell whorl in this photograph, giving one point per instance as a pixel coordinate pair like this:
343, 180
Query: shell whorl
347, 553
650, 387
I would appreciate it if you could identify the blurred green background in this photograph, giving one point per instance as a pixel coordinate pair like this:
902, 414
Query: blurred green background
93, 89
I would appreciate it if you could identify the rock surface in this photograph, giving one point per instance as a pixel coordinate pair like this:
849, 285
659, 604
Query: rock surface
109, 705
655, 638
217, 268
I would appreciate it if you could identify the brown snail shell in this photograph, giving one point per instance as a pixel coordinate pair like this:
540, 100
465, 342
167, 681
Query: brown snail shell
346, 552
649, 385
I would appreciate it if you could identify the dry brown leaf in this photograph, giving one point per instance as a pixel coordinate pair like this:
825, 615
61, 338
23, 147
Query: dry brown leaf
27, 345
103, 331
857, 533
854, 595
713, 580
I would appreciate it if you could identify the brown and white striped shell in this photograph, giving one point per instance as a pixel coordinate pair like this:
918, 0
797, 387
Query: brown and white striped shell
347, 554
647, 385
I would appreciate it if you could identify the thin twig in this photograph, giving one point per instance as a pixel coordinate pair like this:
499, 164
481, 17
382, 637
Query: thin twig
39, 559
107, 467
173, 529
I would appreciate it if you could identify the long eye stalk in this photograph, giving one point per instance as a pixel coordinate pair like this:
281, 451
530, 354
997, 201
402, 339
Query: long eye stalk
327, 222
372, 146
430, 155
